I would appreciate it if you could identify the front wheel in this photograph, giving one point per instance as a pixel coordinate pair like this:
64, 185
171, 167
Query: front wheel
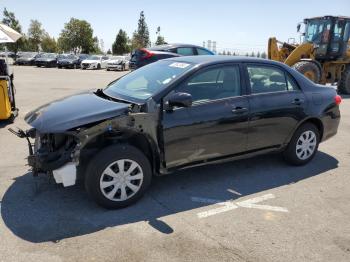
118, 176
303, 145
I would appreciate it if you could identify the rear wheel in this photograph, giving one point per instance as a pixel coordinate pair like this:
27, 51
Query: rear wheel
344, 85
98, 66
118, 176
303, 145
308, 69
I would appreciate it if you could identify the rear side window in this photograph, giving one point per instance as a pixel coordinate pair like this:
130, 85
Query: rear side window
185, 51
201, 51
265, 79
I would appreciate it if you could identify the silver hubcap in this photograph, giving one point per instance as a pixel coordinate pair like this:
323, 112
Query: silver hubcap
121, 180
306, 145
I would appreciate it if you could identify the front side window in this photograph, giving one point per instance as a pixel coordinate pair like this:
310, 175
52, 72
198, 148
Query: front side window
185, 51
265, 79
213, 84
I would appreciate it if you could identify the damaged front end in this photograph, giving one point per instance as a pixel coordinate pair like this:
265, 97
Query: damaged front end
52, 154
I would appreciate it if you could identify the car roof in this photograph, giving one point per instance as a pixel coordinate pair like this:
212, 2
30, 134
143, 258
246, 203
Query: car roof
166, 46
215, 59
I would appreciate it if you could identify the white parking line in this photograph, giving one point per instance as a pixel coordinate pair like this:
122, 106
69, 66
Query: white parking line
230, 205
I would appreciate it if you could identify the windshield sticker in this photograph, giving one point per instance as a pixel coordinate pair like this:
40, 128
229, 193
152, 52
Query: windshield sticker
179, 65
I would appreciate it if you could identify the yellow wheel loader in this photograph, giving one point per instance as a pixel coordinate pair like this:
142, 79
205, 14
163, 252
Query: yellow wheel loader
324, 54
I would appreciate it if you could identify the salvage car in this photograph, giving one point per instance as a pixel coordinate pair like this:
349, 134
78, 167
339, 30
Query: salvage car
144, 56
117, 63
71, 61
26, 58
94, 62
46, 60
178, 113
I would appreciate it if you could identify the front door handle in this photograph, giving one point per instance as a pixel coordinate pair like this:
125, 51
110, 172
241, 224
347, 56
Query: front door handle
239, 110
298, 101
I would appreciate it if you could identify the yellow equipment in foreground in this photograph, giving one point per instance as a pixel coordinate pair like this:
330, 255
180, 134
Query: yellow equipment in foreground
8, 110
5, 105
323, 56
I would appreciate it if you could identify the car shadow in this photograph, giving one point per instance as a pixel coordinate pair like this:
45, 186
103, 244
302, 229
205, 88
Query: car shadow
38, 210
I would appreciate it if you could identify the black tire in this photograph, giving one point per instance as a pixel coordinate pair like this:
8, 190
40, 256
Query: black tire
107, 69
106, 157
290, 154
309, 70
344, 84
98, 66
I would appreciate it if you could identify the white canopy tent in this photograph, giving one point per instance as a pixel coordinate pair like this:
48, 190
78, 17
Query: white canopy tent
8, 35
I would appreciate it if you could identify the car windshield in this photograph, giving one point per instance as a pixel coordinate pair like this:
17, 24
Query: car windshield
48, 55
71, 56
116, 58
94, 57
146, 81
25, 55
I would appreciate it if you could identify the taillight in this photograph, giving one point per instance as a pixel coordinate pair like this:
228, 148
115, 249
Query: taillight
337, 99
147, 53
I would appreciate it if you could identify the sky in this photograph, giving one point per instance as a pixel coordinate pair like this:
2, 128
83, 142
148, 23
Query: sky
236, 25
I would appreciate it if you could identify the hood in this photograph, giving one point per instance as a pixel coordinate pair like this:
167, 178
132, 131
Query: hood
87, 61
25, 58
43, 59
74, 111
67, 60
116, 61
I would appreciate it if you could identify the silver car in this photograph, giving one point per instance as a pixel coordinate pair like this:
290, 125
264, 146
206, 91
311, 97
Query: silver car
117, 63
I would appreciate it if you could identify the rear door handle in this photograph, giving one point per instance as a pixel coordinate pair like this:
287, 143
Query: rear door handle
298, 101
239, 110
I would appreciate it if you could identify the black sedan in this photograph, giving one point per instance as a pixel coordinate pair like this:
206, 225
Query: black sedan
70, 61
26, 58
46, 60
145, 56
178, 113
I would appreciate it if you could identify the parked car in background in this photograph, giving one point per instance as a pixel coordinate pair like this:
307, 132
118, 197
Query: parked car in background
26, 58
144, 56
71, 61
179, 113
9, 54
117, 63
46, 60
94, 62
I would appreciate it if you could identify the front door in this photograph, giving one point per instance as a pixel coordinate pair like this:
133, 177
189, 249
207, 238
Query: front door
215, 126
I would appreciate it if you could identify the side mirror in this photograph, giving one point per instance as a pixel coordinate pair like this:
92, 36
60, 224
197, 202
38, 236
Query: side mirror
180, 100
298, 27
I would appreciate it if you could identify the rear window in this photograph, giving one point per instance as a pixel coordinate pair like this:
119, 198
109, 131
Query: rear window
185, 51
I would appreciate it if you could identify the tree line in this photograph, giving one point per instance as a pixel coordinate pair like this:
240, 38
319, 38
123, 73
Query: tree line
252, 54
77, 36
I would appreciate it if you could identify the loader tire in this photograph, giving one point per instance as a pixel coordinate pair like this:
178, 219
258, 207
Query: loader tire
344, 84
308, 69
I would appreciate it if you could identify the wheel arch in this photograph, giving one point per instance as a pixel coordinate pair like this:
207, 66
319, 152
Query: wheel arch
313, 120
140, 140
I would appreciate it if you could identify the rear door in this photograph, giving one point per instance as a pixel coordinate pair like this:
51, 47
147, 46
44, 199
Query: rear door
277, 104
215, 126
